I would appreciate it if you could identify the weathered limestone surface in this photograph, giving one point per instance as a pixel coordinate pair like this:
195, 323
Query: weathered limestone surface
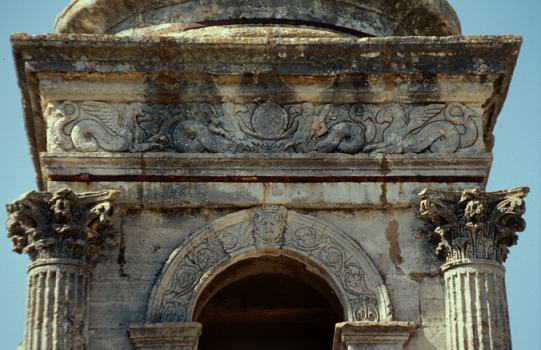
379, 18
236, 130
168, 336
475, 230
367, 336
58, 304
65, 235
402, 257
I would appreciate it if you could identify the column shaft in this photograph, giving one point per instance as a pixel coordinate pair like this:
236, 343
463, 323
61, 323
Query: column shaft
476, 307
57, 316
475, 230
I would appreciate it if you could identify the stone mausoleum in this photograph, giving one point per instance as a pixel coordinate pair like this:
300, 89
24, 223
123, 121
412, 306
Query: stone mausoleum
264, 175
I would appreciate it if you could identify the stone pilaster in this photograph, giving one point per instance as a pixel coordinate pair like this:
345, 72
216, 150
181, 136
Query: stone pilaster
474, 231
65, 235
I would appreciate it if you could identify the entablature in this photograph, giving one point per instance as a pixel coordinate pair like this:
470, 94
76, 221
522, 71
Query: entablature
294, 103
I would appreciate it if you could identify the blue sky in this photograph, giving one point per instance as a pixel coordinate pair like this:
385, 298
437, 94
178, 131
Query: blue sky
517, 156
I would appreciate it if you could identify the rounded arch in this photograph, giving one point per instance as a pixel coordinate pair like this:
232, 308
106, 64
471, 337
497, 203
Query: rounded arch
269, 231
268, 261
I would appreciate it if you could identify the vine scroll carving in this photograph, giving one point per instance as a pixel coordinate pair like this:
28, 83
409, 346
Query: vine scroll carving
269, 228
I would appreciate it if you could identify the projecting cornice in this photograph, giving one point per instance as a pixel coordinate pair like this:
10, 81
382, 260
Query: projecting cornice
420, 81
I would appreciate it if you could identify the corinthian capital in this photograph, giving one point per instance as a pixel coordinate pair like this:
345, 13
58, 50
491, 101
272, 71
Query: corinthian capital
472, 224
62, 224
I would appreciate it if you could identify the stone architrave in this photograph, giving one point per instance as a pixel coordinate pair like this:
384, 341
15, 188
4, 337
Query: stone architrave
475, 230
65, 235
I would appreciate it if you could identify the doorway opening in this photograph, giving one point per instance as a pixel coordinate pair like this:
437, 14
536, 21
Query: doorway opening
268, 303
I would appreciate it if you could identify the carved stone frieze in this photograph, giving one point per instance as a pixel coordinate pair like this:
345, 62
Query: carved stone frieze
472, 224
62, 224
265, 127
265, 228
89, 127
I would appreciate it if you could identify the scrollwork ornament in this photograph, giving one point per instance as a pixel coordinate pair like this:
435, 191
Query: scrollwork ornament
62, 224
472, 224
365, 308
207, 254
354, 281
184, 281
174, 311
306, 238
332, 256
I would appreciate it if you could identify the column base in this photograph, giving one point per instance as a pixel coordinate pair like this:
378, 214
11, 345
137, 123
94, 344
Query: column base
372, 335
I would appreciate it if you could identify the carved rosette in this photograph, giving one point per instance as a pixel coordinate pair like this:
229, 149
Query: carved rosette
65, 234
475, 230
472, 225
62, 224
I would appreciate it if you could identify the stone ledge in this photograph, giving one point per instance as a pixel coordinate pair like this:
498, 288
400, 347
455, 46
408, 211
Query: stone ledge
284, 167
371, 335
165, 336
339, 195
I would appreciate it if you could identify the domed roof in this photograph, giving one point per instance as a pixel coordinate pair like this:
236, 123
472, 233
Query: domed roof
354, 17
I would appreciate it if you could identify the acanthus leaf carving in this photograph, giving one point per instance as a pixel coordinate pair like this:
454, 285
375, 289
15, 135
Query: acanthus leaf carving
365, 308
265, 127
472, 224
62, 224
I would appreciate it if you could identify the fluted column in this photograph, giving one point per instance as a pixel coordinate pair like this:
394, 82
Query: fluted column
474, 231
65, 235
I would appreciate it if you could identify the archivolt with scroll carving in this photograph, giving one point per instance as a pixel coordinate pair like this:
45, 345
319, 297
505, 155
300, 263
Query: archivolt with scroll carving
269, 230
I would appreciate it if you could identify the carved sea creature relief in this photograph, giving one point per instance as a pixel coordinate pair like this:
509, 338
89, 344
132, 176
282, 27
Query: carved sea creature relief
89, 127
259, 128
265, 127
184, 128
434, 128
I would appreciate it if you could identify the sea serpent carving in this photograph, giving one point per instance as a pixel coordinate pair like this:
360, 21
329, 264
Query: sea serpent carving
426, 128
265, 127
89, 127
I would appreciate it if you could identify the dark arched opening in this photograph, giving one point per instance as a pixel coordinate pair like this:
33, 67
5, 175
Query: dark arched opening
267, 303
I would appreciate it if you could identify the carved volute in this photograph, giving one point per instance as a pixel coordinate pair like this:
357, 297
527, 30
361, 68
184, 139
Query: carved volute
474, 231
65, 234
62, 225
473, 225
